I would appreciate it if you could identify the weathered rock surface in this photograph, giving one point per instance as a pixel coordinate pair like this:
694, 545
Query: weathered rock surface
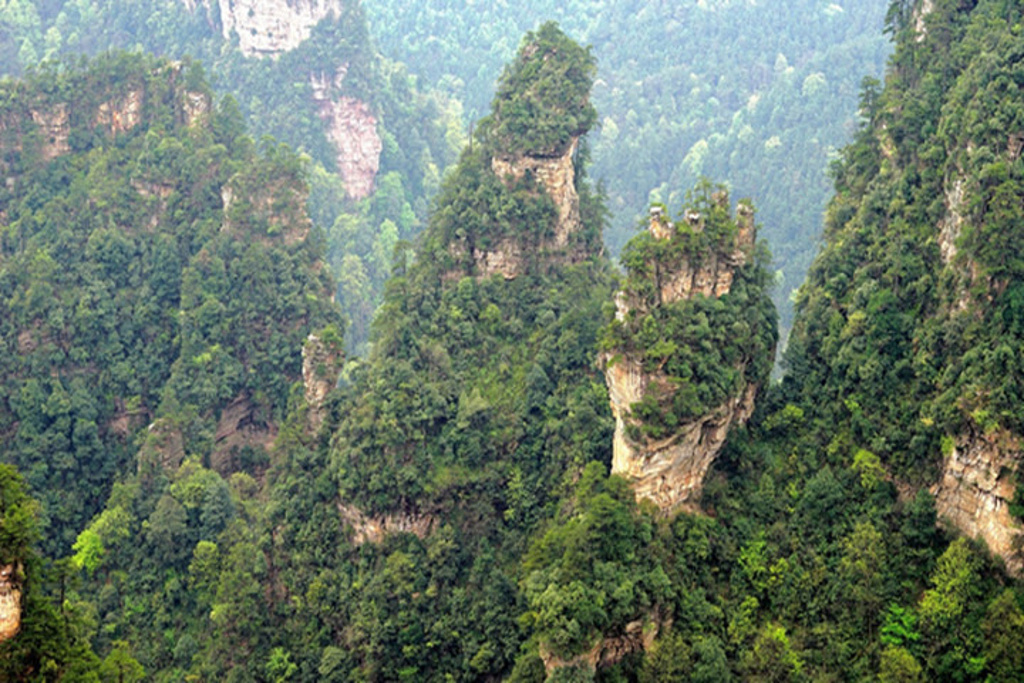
266, 28
509, 256
120, 114
975, 491
367, 529
352, 130
638, 636
54, 126
240, 425
320, 366
670, 472
10, 601
558, 176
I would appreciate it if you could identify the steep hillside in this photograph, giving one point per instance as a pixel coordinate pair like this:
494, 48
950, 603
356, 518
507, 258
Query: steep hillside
910, 324
155, 266
304, 72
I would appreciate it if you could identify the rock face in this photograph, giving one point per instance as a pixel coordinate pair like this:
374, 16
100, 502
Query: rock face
974, 493
558, 176
266, 28
320, 365
54, 127
240, 425
638, 636
508, 256
352, 131
375, 529
10, 601
120, 114
670, 471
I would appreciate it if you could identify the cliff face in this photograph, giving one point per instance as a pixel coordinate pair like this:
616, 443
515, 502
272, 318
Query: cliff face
352, 131
670, 469
977, 485
10, 601
558, 177
321, 361
43, 128
511, 256
266, 28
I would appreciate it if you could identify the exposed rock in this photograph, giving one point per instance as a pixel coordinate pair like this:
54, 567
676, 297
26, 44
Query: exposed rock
240, 425
196, 107
266, 28
509, 256
638, 636
558, 176
321, 363
55, 127
920, 27
974, 493
352, 130
951, 224
10, 601
670, 472
375, 529
120, 114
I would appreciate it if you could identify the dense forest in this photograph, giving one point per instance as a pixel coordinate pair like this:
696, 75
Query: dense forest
755, 95
198, 483
331, 96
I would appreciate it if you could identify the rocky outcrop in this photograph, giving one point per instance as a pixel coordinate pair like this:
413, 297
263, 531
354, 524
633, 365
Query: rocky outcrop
54, 127
366, 529
10, 601
508, 257
352, 130
120, 114
670, 471
557, 175
266, 28
321, 362
637, 636
974, 494
240, 425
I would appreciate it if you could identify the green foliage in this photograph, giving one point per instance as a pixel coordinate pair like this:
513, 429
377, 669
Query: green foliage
543, 97
704, 349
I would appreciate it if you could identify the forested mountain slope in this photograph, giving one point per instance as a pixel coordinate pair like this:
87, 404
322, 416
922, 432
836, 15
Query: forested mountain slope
447, 513
757, 95
304, 72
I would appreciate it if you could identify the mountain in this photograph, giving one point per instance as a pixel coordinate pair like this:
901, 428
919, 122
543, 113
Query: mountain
757, 95
304, 72
542, 470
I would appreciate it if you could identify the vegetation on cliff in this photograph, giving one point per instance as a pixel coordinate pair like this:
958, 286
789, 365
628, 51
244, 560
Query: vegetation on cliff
451, 517
706, 348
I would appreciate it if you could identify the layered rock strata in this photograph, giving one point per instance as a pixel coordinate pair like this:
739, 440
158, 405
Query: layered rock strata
10, 601
977, 486
670, 471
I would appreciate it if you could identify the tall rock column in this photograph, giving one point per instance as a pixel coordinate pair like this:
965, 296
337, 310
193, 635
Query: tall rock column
684, 359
